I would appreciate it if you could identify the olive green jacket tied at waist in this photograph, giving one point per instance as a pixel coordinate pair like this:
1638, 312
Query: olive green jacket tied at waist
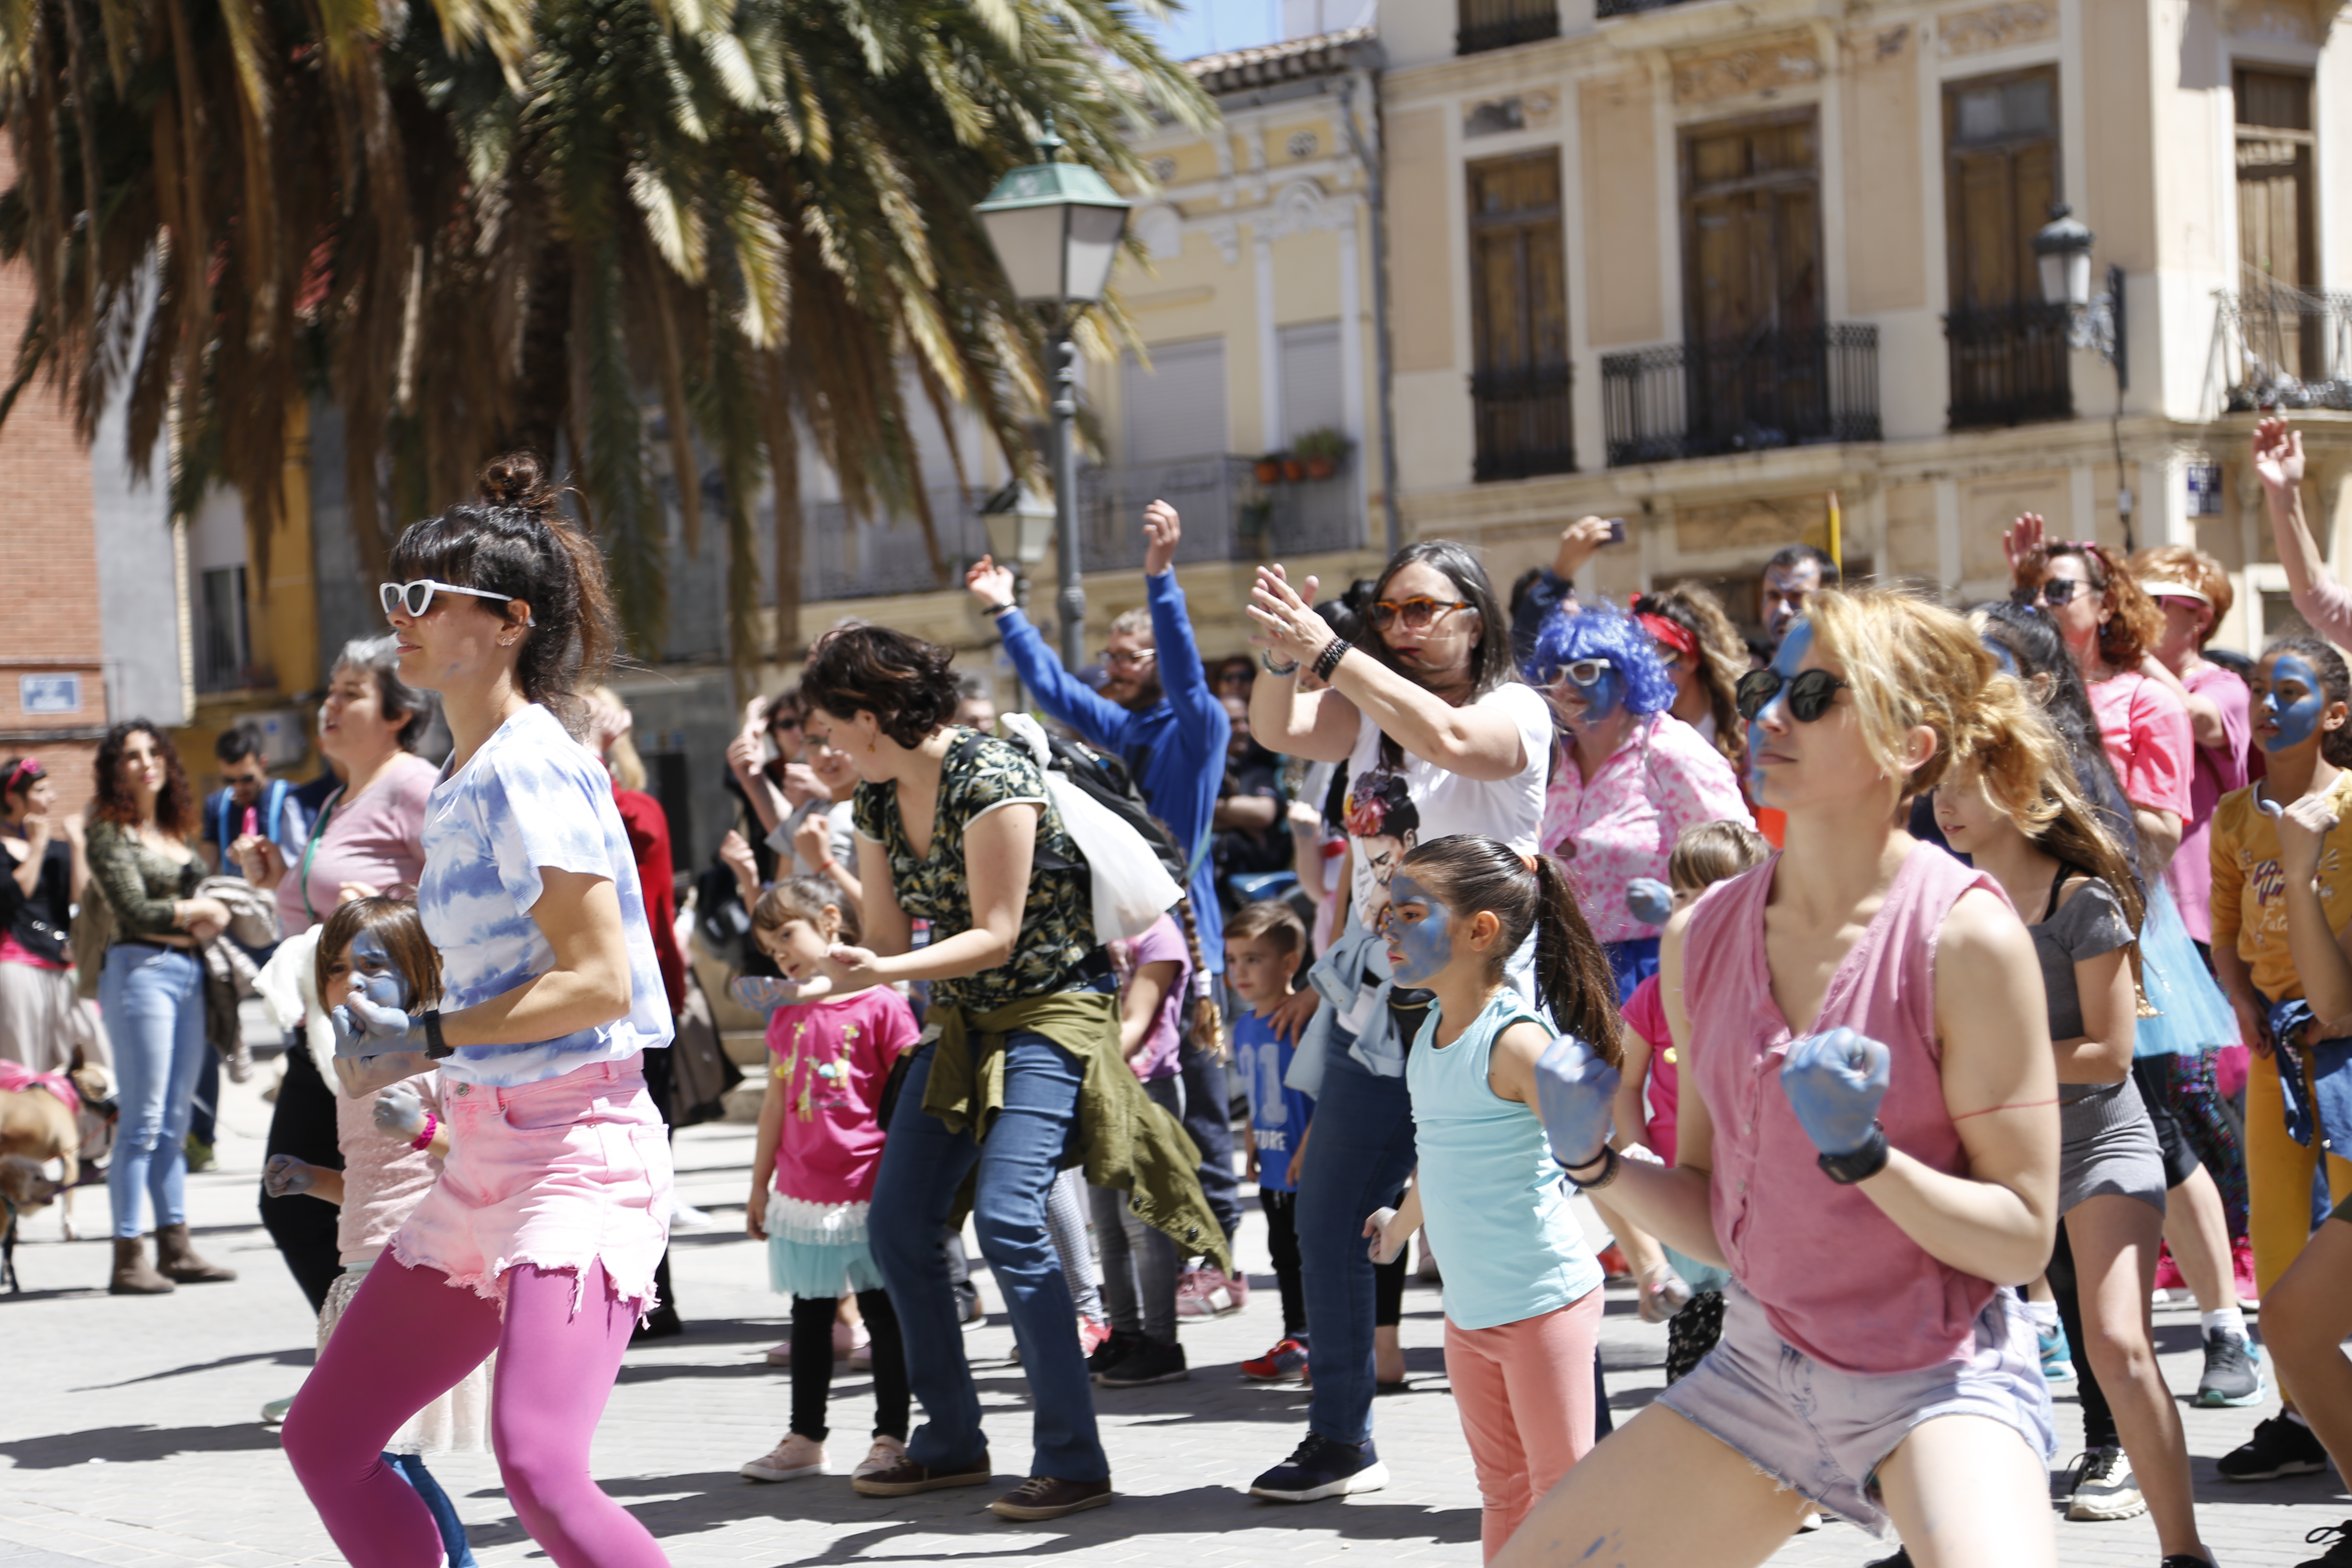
1125, 1140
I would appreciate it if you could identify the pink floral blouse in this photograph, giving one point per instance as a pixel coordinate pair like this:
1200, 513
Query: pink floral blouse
1623, 823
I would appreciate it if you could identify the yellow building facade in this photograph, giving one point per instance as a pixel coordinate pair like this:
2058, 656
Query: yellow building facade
1704, 264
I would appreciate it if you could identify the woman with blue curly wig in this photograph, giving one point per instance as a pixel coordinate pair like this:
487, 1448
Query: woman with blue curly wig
1630, 776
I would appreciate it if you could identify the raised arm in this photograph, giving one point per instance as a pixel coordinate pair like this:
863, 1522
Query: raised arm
1201, 718
2278, 463
1062, 695
1475, 741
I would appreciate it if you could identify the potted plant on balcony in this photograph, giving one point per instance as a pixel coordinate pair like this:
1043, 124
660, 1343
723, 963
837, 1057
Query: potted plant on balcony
1320, 451
1269, 468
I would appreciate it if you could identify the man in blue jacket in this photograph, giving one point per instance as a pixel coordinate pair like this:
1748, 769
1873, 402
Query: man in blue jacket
1157, 714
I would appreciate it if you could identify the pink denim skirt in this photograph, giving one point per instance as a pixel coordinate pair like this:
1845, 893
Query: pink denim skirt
560, 1175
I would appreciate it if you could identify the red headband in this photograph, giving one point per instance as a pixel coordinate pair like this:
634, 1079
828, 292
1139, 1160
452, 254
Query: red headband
16, 775
1674, 635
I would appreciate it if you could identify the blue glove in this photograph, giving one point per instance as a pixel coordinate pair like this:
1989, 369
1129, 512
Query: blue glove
370, 1026
284, 1176
400, 1113
1834, 1082
1574, 1089
1649, 900
763, 994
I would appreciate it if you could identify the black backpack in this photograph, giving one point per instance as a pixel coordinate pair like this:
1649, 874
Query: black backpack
1106, 780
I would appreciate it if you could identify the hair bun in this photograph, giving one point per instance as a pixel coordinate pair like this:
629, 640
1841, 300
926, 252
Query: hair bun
514, 480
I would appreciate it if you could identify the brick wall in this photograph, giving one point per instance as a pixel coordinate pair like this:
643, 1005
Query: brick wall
50, 627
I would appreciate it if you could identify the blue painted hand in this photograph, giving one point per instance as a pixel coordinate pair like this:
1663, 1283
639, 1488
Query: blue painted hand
1573, 1090
400, 1113
365, 1027
1649, 900
1834, 1082
284, 1176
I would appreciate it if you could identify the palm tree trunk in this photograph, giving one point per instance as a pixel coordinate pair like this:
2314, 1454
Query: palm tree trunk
542, 391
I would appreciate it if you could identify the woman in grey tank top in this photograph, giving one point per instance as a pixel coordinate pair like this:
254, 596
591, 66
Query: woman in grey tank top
2073, 886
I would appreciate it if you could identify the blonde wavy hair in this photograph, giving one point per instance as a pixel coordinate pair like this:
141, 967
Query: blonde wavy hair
1909, 662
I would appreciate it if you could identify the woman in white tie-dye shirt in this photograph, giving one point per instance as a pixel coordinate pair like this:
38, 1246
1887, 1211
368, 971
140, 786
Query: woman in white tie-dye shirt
540, 1239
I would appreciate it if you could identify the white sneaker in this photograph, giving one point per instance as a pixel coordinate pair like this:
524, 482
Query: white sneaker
886, 1452
794, 1457
274, 1413
684, 1215
2104, 1488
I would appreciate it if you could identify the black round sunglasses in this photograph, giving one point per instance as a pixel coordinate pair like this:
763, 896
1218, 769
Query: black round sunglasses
1809, 694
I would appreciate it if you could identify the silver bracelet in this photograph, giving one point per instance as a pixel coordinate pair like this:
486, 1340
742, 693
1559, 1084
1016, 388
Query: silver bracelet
1266, 662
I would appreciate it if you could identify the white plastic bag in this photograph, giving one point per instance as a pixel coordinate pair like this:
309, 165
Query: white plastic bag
1133, 890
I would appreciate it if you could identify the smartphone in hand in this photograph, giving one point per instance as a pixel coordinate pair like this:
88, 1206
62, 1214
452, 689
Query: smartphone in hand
1616, 530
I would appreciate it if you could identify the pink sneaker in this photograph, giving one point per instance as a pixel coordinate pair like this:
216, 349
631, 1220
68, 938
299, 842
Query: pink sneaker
1209, 1292
780, 1355
2167, 1274
2241, 1264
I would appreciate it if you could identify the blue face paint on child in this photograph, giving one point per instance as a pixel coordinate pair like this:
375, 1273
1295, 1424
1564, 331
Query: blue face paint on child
1420, 933
380, 977
2295, 714
1785, 661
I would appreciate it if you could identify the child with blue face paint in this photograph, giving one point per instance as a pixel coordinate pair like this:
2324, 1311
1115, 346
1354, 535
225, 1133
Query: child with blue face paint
1523, 1297
393, 1144
2282, 903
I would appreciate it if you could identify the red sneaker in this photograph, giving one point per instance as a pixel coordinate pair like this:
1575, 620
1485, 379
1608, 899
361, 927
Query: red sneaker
2168, 1273
1286, 1360
1614, 1263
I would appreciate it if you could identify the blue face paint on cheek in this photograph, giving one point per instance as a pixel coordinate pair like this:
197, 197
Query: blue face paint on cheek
386, 987
1604, 695
2296, 721
1419, 948
1785, 661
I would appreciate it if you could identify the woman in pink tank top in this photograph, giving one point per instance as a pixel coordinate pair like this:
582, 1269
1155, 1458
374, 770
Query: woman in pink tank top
1868, 1140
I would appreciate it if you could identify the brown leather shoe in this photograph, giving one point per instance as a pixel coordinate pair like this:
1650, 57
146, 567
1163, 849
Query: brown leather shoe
907, 1478
132, 1277
1047, 1496
178, 1259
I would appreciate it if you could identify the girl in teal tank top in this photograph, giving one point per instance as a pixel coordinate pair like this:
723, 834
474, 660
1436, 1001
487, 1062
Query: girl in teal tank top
1523, 1295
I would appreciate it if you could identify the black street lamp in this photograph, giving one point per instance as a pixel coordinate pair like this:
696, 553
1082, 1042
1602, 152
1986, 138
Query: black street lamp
1056, 230
2061, 250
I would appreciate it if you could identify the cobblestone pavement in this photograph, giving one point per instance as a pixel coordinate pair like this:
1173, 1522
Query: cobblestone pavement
128, 1432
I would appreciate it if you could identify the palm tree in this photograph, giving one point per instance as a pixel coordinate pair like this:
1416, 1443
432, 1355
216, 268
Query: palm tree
499, 223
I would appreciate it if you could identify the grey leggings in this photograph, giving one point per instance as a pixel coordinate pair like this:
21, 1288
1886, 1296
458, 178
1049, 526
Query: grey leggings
1140, 1264
1066, 1219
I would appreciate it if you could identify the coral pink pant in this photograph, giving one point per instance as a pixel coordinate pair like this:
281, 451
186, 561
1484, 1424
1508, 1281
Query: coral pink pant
1525, 1391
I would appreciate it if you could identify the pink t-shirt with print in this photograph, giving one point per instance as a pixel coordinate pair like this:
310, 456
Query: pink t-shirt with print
831, 1060
1622, 823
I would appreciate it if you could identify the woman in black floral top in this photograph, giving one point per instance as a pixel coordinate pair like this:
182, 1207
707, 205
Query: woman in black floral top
957, 829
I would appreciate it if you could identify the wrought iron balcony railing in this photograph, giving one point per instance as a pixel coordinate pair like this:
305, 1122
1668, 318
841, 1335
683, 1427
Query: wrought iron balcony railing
1483, 25
2008, 365
2279, 347
1741, 394
1526, 424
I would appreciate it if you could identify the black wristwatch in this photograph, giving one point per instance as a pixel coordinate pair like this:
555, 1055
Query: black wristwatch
1862, 1164
434, 1047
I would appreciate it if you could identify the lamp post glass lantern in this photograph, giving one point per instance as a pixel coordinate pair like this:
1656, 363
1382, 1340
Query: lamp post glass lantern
2061, 253
1057, 229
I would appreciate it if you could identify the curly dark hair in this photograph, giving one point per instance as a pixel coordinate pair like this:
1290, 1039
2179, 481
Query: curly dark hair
2135, 625
516, 541
176, 803
905, 682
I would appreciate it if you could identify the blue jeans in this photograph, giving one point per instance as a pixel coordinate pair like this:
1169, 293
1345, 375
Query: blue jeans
1358, 1156
410, 1468
1208, 1119
153, 999
923, 1165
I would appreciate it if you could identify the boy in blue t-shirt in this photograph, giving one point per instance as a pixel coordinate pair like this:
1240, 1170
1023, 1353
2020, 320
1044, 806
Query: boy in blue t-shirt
1264, 944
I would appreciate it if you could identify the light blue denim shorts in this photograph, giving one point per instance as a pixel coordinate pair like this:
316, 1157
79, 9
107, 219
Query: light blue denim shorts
1824, 1433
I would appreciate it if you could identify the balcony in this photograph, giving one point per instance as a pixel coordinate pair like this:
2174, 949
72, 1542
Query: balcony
1526, 424
1498, 24
1228, 516
1741, 394
2279, 347
2008, 365
1630, 7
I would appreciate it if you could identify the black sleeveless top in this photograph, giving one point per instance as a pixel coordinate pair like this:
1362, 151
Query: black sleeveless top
37, 920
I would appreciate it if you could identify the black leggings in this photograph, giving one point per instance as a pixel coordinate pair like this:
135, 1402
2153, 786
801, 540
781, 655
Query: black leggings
1281, 1211
303, 1125
813, 1364
2098, 1421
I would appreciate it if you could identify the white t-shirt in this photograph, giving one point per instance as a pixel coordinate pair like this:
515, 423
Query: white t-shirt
1388, 812
532, 797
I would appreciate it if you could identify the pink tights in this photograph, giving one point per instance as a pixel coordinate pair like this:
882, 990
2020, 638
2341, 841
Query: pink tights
406, 1339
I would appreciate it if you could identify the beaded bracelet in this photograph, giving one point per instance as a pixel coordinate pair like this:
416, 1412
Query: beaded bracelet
1328, 660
